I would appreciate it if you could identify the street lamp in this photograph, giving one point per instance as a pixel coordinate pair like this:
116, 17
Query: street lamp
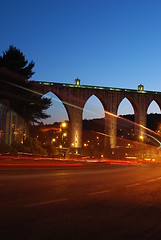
53, 140
63, 125
62, 135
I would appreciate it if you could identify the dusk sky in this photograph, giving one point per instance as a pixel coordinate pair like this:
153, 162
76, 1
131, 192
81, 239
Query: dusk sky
111, 43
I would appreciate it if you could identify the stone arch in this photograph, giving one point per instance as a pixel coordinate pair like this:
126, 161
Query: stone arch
153, 107
135, 108
129, 101
125, 123
94, 126
93, 109
129, 107
153, 111
58, 107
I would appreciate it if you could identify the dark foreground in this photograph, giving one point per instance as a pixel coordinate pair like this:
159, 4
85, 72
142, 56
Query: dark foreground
96, 202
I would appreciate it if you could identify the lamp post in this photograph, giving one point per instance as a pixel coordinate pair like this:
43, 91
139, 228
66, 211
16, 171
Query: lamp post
141, 137
62, 125
62, 135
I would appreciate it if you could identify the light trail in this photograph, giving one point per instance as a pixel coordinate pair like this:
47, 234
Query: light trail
75, 106
154, 139
132, 185
56, 100
46, 202
100, 192
127, 120
138, 125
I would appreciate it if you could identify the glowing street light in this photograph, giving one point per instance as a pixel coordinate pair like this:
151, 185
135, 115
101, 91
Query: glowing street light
63, 135
63, 124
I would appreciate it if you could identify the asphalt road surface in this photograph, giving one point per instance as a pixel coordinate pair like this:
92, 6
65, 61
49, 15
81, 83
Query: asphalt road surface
109, 202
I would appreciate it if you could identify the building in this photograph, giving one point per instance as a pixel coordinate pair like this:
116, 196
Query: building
12, 127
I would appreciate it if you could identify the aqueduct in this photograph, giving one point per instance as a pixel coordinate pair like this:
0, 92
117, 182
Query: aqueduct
74, 97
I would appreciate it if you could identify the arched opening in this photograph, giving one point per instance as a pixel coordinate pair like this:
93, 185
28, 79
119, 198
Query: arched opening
57, 110
125, 108
154, 117
153, 108
93, 128
125, 124
93, 108
53, 131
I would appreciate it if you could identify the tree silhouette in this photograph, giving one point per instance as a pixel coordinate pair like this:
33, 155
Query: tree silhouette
14, 60
15, 86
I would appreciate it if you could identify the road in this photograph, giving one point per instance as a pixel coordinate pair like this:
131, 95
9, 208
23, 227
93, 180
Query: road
108, 202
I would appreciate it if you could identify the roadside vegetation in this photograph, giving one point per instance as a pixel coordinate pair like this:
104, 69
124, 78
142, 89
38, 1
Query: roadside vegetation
30, 146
